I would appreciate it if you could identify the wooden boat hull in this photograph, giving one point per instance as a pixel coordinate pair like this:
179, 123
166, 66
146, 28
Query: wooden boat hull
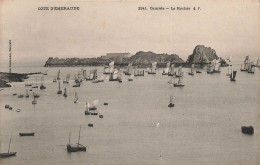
171, 74
216, 71
106, 72
247, 130
178, 85
42, 87
92, 108
151, 73
75, 148
4, 155
27, 134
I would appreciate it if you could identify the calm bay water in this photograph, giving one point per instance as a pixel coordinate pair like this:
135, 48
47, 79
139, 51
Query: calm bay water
202, 128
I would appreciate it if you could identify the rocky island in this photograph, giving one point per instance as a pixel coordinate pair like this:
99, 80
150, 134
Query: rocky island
200, 55
203, 55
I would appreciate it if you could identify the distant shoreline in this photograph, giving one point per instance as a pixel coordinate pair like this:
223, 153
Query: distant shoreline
6, 78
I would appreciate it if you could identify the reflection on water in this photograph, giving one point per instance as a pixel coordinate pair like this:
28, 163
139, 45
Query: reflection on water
202, 128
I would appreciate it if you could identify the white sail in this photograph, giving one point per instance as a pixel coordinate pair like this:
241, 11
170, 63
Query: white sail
111, 64
153, 67
172, 69
95, 102
115, 74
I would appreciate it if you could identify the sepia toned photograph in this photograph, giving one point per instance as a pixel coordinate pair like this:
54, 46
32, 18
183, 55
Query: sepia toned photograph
129, 82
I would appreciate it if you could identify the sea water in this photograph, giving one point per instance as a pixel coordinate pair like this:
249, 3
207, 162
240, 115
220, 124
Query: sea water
204, 126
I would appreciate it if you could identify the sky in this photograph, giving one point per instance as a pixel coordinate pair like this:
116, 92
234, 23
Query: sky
231, 28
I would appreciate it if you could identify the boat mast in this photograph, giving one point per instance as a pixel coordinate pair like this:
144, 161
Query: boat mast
79, 134
10, 142
69, 136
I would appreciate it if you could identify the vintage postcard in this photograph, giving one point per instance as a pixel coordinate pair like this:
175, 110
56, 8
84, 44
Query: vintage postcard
121, 82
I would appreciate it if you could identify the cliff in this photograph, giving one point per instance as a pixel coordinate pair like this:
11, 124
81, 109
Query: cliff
141, 59
202, 54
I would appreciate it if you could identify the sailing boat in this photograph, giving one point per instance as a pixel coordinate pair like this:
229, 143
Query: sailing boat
36, 95
36, 86
77, 82
171, 72
179, 73
210, 68
95, 104
251, 68
191, 70
27, 85
76, 147
129, 69
138, 72
42, 86
216, 67
76, 98
246, 64
8, 154
233, 76
119, 78
229, 70
166, 70
58, 75
180, 81
66, 81
109, 69
27, 95
171, 102
45, 73
65, 93
87, 109
153, 69
34, 101
113, 76
131, 78
59, 91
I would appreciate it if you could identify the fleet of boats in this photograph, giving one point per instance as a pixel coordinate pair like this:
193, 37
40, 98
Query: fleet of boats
116, 75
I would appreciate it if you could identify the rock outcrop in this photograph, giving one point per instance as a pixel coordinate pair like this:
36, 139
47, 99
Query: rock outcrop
202, 54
